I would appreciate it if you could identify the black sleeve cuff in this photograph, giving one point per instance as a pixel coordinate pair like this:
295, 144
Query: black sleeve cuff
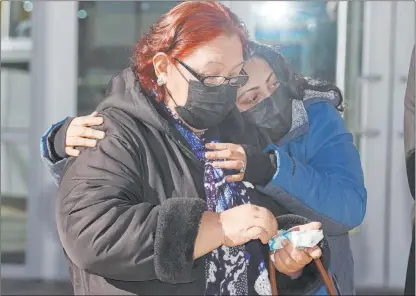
261, 166
59, 139
311, 279
51, 140
176, 232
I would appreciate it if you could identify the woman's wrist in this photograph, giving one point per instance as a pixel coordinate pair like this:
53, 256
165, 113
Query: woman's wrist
59, 139
261, 166
210, 235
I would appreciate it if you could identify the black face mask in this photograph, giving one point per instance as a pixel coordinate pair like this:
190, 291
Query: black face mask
274, 114
207, 106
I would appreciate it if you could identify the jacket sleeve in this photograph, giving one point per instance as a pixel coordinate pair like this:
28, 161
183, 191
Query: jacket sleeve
107, 225
54, 165
409, 124
329, 185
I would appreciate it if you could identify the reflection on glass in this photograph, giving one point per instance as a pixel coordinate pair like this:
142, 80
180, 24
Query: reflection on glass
14, 192
20, 18
15, 98
305, 32
107, 34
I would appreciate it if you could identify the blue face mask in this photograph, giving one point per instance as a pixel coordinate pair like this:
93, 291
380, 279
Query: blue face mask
274, 114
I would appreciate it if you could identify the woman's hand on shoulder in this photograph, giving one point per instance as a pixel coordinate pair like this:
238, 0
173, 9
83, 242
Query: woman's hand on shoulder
80, 133
290, 260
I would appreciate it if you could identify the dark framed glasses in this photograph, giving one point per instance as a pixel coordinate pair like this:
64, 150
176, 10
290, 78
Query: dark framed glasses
216, 80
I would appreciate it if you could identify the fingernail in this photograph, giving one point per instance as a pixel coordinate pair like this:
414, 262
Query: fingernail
284, 243
208, 155
101, 135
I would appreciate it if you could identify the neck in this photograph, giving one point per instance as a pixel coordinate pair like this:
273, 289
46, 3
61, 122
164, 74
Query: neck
171, 105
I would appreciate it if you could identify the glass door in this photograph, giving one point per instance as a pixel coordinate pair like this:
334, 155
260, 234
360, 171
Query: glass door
15, 128
305, 32
39, 34
107, 34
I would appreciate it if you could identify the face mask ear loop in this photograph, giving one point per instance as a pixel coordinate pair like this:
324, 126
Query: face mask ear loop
168, 91
180, 72
170, 95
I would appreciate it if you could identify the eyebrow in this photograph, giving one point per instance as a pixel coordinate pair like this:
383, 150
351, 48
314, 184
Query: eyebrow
238, 65
233, 68
212, 62
251, 89
257, 87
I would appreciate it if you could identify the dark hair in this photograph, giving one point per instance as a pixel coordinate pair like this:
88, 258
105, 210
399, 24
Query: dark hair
178, 32
296, 82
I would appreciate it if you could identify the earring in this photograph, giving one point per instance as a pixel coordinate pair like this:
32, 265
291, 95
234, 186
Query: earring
160, 81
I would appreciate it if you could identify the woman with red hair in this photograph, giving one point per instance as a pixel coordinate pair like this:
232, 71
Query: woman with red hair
145, 212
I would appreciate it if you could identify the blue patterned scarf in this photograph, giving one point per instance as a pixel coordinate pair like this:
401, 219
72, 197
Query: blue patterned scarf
229, 270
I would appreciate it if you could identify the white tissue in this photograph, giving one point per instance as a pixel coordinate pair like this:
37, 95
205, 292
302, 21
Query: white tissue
299, 239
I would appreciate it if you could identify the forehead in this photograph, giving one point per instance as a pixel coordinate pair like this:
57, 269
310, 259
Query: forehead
258, 70
226, 50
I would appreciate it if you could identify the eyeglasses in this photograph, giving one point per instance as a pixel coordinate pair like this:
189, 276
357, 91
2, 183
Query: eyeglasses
216, 80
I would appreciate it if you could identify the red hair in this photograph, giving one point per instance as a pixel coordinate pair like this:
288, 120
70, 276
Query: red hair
178, 32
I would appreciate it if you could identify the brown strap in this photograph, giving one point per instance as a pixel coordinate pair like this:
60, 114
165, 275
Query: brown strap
326, 277
272, 272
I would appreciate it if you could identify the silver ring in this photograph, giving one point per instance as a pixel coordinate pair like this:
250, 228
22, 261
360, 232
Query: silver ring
243, 169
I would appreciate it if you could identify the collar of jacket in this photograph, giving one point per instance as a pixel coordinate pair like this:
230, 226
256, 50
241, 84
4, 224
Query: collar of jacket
124, 93
300, 121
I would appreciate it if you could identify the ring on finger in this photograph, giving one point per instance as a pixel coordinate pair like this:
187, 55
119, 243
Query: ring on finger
243, 167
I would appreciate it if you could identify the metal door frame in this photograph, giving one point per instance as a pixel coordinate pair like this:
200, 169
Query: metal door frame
342, 27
